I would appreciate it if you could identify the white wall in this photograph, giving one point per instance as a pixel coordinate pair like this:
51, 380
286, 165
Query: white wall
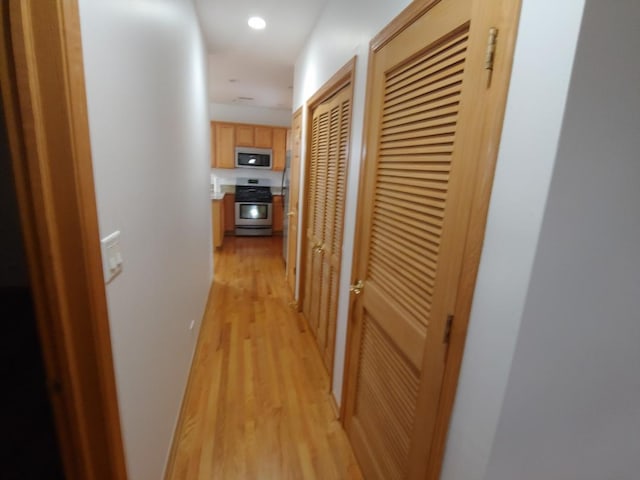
572, 406
145, 71
535, 107
342, 32
279, 117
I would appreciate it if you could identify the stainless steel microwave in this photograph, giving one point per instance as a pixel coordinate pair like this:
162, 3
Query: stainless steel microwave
253, 157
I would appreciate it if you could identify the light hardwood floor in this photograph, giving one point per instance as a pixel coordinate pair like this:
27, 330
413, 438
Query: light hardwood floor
257, 405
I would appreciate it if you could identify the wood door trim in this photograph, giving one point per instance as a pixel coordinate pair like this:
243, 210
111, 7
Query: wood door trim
44, 78
296, 268
357, 238
475, 238
344, 76
476, 227
405, 18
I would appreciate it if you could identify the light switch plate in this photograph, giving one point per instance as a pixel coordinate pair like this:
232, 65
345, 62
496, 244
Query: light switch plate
111, 256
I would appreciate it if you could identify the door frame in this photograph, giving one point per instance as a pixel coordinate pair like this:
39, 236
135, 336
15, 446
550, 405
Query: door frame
294, 242
477, 222
340, 79
44, 101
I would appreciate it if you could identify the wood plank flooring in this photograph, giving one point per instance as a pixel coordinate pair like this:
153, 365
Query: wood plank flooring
257, 405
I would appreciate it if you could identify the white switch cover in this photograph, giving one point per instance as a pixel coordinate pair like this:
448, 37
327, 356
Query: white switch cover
111, 256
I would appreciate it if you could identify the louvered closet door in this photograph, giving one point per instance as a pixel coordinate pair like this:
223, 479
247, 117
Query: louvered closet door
311, 237
327, 182
315, 226
426, 86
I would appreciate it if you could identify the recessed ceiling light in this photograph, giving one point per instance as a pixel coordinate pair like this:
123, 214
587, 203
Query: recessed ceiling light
257, 23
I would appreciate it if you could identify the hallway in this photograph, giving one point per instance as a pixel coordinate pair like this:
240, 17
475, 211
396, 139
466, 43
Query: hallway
258, 403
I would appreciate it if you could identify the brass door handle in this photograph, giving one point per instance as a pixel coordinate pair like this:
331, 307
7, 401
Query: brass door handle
357, 287
319, 248
290, 214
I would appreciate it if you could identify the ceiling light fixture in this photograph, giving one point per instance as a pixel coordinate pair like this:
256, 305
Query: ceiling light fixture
257, 23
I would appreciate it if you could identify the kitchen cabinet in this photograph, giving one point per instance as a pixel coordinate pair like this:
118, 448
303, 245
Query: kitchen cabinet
217, 221
223, 137
227, 136
279, 148
278, 214
263, 137
244, 135
229, 213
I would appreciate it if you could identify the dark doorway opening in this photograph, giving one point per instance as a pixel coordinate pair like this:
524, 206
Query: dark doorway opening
28, 443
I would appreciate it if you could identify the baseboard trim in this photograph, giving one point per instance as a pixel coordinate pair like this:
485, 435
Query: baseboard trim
168, 469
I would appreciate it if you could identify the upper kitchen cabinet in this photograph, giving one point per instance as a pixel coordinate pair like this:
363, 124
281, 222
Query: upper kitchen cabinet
263, 137
257, 136
279, 148
223, 151
244, 135
227, 136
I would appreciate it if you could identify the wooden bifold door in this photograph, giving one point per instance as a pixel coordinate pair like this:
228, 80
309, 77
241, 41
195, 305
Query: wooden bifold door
435, 102
328, 153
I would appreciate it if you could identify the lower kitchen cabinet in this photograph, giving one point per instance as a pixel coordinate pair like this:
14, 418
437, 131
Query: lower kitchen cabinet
278, 214
229, 213
217, 222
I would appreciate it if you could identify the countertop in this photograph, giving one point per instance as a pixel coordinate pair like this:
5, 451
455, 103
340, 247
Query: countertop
232, 188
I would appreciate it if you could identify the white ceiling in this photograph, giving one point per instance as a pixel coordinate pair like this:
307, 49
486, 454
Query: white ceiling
245, 63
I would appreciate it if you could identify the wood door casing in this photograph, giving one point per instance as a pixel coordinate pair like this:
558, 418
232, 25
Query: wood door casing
44, 105
428, 95
330, 127
294, 192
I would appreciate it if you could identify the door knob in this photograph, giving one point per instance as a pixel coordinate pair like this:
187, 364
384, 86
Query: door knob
319, 248
290, 214
357, 287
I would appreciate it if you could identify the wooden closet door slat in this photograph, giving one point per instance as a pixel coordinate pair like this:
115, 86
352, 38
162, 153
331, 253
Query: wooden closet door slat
327, 183
419, 100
